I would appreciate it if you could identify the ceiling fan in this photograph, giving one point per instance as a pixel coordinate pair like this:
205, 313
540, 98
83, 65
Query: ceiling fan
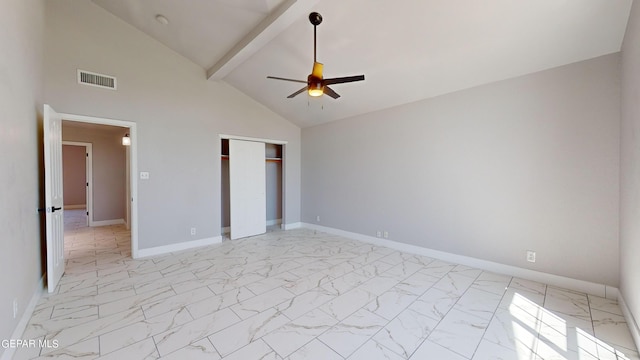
316, 84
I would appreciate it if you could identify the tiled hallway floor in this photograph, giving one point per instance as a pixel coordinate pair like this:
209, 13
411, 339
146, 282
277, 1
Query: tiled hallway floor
299, 294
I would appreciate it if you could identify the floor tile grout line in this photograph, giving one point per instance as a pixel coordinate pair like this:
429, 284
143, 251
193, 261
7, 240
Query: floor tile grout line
445, 315
602, 310
539, 323
272, 349
214, 348
405, 308
492, 317
332, 349
593, 328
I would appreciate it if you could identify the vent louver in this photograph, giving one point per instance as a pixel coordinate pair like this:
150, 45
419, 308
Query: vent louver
95, 79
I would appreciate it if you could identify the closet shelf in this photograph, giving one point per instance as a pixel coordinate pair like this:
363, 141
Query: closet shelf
275, 159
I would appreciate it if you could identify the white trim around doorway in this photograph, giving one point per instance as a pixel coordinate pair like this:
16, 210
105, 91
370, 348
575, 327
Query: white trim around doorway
246, 138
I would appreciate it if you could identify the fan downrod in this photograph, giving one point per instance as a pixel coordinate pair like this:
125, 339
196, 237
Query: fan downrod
315, 18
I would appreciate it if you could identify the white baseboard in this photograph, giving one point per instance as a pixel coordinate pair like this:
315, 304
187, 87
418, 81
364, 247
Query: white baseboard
291, 226
24, 320
166, 249
75, 207
633, 325
546, 278
107, 222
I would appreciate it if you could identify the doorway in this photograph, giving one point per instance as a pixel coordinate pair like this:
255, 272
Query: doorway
54, 195
111, 184
77, 164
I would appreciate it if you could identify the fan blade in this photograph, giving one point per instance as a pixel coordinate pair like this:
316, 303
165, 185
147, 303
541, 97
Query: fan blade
329, 91
285, 79
341, 80
297, 93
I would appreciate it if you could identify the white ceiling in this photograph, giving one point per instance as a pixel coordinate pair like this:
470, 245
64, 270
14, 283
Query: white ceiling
407, 50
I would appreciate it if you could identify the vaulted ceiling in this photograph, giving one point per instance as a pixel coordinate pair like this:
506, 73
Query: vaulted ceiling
408, 50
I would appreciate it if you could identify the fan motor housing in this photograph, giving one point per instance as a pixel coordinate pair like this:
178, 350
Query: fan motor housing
314, 83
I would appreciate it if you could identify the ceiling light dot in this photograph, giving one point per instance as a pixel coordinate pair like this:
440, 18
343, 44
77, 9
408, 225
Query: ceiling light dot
162, 20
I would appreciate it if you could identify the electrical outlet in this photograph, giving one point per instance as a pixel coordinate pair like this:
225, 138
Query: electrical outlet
379, 233
318, 218
193, 231
386, 234
144, 175
15, 308
531, 256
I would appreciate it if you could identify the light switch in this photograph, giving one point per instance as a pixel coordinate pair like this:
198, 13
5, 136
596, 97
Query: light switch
144, 175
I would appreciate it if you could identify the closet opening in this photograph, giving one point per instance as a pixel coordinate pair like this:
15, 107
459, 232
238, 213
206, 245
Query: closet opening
266, 166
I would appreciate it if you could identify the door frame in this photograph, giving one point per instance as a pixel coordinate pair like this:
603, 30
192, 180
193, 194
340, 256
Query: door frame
88, 148
133, 166
284, 168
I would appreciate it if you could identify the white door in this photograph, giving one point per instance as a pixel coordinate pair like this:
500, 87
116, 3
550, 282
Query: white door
87, 193
247, 188
53, 196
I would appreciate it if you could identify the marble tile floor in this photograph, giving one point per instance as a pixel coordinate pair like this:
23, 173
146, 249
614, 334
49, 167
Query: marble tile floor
301, 294
75, 219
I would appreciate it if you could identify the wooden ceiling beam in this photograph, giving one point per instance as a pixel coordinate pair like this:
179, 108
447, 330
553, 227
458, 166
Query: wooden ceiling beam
280, 19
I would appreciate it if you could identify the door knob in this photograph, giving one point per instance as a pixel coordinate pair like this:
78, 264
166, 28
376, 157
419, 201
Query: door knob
53, 209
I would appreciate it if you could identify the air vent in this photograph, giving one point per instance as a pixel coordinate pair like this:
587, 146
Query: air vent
94, 79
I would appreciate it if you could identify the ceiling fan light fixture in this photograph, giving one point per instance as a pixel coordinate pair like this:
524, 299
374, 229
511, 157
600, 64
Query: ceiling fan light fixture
315, 92
314, 87
317, 85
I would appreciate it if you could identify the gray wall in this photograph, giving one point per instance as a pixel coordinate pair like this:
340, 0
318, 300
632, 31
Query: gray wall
630, 168
489, 172
21, 41
179, 116
109, 165
274, 190
74, 175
